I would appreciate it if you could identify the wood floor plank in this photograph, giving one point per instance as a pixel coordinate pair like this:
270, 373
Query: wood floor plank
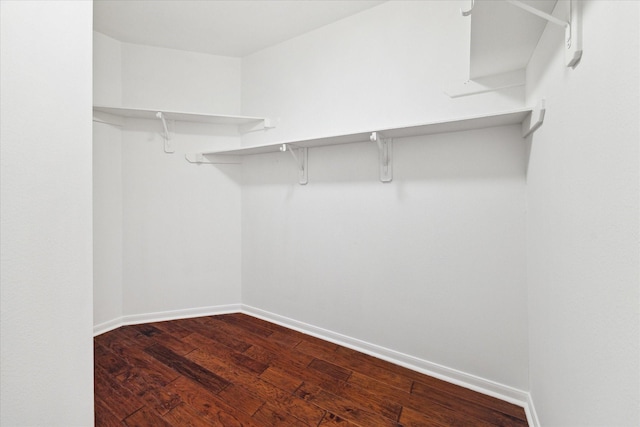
275, 345
368, 359
174, 344
250, 324
284, 339
278, 398
103, 415
237, 370
399, 381
269, 416
210, 406
514, 411
172, 327
187, 368
132, 353
466, 407
241, 398
331, 420
280, 379
134, 336
389, 393
359, 395
364, 398
330, 369
342, 407
271, 354
108, 360
216, 334
146, 417
411, 418
225, 353
157, 398
183, 415
116, 397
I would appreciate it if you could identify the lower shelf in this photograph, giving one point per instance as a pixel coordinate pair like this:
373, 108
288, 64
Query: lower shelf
529, 118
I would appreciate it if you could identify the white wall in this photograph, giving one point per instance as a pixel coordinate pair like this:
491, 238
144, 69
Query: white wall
431, 265
46, 246
107, 70
181, 228
178, 223
107, 184
178, 80
384, 67
107, 223
582, 191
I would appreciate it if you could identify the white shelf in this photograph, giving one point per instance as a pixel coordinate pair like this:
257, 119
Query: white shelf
468, 123
219, 119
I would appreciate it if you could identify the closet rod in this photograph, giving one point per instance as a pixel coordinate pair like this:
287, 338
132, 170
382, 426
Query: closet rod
539, 13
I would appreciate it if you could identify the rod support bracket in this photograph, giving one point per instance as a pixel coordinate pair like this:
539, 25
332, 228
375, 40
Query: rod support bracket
385, 156
301, 157
168, 148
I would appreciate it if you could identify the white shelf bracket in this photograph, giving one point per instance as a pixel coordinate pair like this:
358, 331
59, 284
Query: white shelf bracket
535, 119
385, 156
212, 159
573, 39
168, 148
262, 125
468, 12
301, 156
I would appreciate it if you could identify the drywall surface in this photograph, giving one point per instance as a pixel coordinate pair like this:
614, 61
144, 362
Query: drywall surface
107, 70
432, 264
180, 81
181, 221
387, 66
46, 246
178, 223
582, 194
107, 222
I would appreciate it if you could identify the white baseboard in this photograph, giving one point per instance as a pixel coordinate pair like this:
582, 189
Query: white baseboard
161, 316
532, 416
454, 376
473, 382
107, 326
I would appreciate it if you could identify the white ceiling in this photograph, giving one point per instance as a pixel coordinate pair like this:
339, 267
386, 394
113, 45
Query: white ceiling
503, 36
229, 28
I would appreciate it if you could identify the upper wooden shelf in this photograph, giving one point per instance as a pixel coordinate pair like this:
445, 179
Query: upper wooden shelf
219, 119
467, 123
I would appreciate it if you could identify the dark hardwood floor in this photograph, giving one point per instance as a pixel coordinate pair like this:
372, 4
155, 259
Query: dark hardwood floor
236, 370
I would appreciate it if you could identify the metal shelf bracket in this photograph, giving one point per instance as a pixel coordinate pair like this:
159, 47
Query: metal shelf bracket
264, 125
301, 157
168, 148
385, 156
535, 120
573, 40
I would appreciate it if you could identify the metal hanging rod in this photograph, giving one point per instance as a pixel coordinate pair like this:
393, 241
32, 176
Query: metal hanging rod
539, 13
523, 6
